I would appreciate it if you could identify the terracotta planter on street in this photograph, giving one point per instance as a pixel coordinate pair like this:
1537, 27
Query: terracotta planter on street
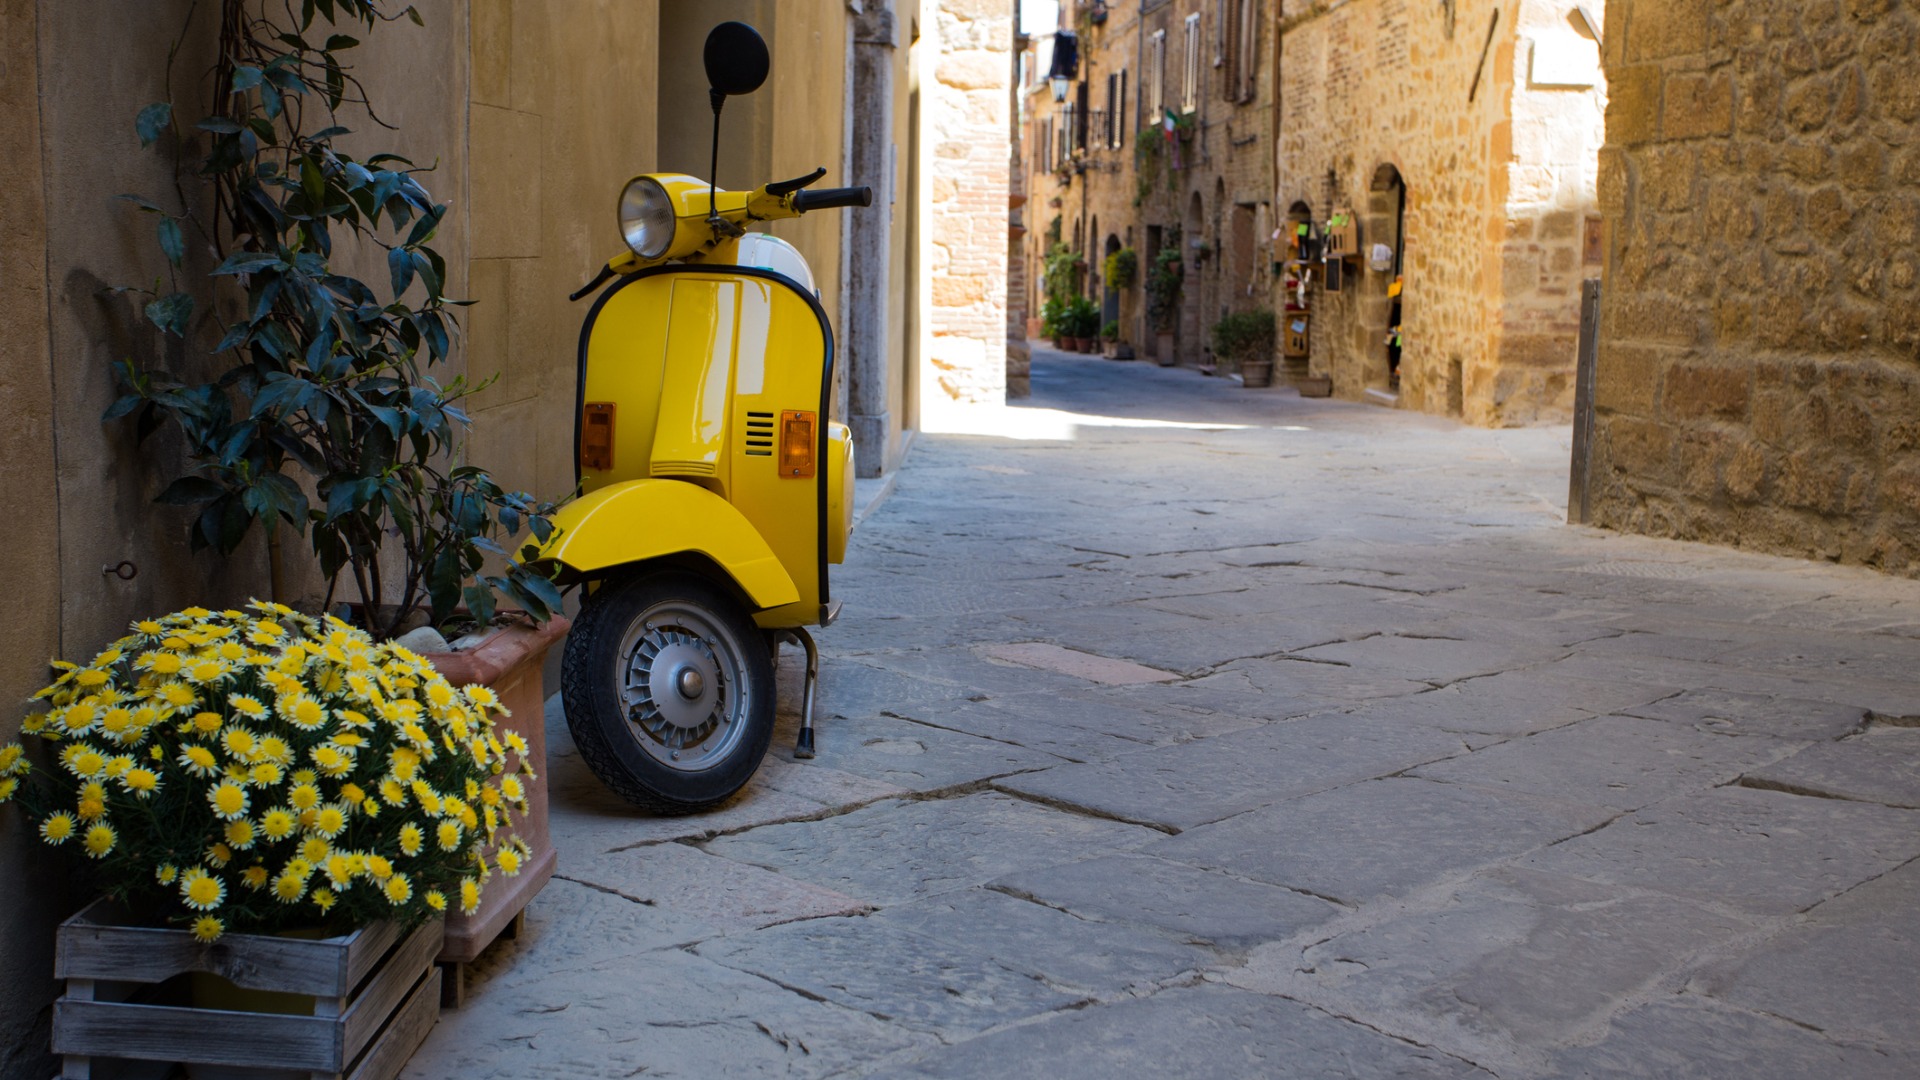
510, 662
1256, 373
1164, 353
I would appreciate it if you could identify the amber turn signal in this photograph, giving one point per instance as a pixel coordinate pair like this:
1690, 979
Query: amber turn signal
797, 443
596, 437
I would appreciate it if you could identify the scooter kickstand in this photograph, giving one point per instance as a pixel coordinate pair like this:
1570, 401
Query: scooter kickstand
803, 746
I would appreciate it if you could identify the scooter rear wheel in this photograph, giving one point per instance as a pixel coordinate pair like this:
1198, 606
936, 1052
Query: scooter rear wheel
669, 691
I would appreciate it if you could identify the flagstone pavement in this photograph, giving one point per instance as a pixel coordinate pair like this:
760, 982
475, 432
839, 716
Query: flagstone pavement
1175, 729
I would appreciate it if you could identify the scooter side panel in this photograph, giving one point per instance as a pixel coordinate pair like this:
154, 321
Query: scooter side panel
702, 339
624, 361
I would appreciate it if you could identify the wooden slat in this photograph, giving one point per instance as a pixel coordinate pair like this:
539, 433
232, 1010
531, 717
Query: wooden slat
387, 987
92, 946
404, 1034
165, 1033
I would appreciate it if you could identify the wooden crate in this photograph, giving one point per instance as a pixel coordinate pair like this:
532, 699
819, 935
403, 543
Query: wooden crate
370, 998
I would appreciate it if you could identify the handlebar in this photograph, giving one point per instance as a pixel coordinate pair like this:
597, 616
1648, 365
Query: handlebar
829, 198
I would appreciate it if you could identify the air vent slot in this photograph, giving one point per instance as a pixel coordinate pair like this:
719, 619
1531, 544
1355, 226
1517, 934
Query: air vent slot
759, 434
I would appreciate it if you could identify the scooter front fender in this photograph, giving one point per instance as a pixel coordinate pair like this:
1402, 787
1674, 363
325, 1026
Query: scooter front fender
638, 520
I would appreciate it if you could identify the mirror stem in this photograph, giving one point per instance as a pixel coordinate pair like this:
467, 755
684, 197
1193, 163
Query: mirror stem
713, 172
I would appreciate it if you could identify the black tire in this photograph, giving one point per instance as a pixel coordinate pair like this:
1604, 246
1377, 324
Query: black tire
631, 747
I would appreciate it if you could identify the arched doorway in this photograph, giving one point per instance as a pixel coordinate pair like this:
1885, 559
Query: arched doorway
1110, 296
1381, 306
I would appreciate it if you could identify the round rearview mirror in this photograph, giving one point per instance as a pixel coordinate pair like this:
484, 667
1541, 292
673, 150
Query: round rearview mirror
736, 58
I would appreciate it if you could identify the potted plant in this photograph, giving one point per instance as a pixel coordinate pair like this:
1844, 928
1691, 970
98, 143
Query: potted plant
1110, 336
1164, 282
1122, 269
1086, 323
1059, 270
227, 777
327, 421
1245, 340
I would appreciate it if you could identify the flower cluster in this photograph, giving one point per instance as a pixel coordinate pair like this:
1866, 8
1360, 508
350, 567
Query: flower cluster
254, 771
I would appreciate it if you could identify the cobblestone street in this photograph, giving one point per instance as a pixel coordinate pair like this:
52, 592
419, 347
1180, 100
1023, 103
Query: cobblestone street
1182, 730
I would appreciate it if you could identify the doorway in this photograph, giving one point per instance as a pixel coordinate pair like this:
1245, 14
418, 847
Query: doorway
1382, 301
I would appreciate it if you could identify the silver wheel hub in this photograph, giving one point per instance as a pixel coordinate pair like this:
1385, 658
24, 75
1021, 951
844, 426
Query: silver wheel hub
680, 683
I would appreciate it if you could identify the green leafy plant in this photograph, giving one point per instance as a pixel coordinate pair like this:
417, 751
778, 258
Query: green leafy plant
1244, 336
1053, 318
1083, 317
1149, 157
1060, 273
328, 383
1122, 268
1164, 283
1111, 331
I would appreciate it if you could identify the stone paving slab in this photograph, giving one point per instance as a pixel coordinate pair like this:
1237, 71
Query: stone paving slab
1078, 664
1511, 703
668, 1014
1765, 852
1204, 906
1179, 787
1029, 721
722, 893
1849, 969
1197, 1033
572, 925
1507, 963
1687, 1039
897, 851
1886, 698
1066, 952
1880, 765
899, 753
1730, 713
1381, 838
1614, 761
1332, 684
1430, 659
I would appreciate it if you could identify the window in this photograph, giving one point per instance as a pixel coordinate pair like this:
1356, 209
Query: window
1115, 124
1082, 122
1190, 82
1223, 22
1157, 75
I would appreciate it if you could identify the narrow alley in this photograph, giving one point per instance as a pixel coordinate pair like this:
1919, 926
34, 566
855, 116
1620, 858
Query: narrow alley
1176, 729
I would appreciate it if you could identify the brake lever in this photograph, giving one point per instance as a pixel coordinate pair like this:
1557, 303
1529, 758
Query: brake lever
788, 187
605, 273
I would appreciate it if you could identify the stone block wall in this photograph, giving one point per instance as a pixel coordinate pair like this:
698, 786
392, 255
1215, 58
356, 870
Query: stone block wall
966, 104
1759, 368
1499, 170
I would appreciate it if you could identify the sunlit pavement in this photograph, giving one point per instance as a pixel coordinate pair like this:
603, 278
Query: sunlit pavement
1174, 729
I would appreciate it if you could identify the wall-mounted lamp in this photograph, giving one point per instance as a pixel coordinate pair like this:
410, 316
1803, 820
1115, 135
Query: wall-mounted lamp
1066, 63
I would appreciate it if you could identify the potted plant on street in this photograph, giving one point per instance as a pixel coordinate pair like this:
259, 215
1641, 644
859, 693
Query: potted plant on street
1163, 299
1122, 269
1110, 335
226, 779
327, 422
1245, 340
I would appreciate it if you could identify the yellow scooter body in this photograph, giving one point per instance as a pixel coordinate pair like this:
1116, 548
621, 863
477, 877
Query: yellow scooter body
691, 374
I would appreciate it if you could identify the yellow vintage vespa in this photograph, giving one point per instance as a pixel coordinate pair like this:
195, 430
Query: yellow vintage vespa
716, 489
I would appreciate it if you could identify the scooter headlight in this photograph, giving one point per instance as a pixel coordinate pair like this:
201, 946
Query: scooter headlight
647, 219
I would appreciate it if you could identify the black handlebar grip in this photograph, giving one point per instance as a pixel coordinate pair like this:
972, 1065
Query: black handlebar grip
828, 198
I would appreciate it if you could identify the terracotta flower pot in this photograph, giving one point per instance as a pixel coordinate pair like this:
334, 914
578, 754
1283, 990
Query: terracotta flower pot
1164, 353
1256, 373
510, 662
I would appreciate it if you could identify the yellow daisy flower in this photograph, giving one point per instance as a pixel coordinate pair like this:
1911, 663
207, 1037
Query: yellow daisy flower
329, 822
99, 840
304, 795
289, 887
399, 889
254, 877
200, 890
206, 723
323, 899
208, 928
436, 900
197, 760
240, 834
448, 835
239, 743
411, 839
219, 855
229, 800
265, 774
469, 896
276, 824
273, 748
57, 829
509, 862
142, 782
248, 706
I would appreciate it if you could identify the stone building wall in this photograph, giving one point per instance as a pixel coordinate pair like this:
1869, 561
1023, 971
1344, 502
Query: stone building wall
966, 103
1497, 172
1759, 368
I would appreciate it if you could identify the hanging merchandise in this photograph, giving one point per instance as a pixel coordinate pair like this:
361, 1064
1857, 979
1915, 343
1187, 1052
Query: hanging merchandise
1399, 283
1380, 259
1343, 235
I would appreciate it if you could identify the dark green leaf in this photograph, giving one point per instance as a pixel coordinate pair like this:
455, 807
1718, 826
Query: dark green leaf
171, 242
171, 313
340, 41
121, 407
415, 16
152, 121
480, 602
190, 491
400, 266
141, 203
246, 78
219, 125
248, 262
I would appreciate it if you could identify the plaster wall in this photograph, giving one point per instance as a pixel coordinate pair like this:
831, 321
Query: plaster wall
1759, 366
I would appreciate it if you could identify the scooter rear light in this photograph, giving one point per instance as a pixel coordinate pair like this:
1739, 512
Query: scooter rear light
798, 439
